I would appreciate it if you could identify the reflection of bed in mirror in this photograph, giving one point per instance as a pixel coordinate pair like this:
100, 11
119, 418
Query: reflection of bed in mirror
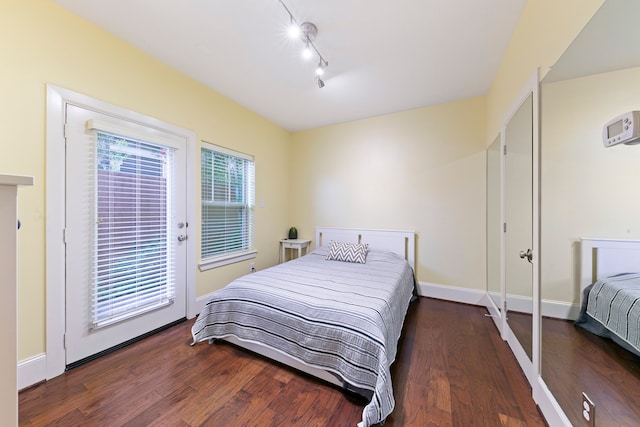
583, 361
610, 289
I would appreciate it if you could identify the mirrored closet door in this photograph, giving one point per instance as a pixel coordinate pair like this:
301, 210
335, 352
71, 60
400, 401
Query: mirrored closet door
588, 191
518, 213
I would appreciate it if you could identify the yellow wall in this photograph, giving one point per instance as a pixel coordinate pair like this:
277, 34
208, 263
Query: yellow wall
545, 30
587, 190
42, 43
421, 170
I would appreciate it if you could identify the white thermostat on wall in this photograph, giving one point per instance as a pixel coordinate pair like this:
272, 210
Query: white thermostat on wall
624, 129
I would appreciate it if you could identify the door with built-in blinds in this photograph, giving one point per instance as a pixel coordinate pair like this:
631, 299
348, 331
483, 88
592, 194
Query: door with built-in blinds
125, 231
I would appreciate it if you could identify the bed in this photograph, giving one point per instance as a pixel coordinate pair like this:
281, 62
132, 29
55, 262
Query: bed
337, 320
610, 290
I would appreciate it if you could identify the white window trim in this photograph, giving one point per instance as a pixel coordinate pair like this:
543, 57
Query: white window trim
219, 261
230, 258
57, 97
213, 147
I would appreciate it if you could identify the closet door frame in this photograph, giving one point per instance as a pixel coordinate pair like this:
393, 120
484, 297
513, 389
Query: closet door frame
531, 368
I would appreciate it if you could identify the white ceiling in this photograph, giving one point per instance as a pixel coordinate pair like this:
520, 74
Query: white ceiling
384, 56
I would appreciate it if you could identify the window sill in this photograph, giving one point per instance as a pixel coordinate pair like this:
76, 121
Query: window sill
209, 263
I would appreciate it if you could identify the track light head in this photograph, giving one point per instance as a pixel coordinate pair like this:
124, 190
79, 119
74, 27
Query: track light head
294, 31
320, 82
307, 53
320, 68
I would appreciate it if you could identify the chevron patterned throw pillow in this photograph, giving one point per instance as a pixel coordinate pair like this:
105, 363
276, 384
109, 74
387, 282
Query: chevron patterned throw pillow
348, 252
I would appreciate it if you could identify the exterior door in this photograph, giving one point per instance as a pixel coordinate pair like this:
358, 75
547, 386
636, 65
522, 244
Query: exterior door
125, 231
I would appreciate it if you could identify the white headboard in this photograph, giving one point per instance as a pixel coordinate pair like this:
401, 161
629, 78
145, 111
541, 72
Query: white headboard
605, 257
396, 241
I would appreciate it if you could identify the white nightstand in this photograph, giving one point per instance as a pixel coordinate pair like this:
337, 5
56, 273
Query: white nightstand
298, 244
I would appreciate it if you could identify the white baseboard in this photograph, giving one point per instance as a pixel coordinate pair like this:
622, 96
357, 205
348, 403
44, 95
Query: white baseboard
560, 310
551, 410
32, 371
452, 293
557, 309
202, 301
519, 304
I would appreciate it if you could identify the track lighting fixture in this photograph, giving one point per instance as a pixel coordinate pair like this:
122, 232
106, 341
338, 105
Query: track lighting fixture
307, 33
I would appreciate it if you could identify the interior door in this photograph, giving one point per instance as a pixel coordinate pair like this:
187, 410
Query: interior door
494, 226
519, 219
125, 231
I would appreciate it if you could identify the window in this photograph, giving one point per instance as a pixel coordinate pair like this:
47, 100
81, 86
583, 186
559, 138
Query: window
133, 261
227, 182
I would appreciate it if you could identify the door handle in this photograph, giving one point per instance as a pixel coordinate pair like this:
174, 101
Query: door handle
182, 238
528, 255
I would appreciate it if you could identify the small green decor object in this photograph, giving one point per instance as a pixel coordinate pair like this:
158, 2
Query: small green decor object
293, 233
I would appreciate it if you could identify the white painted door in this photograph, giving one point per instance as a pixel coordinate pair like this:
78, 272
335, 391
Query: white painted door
125, 231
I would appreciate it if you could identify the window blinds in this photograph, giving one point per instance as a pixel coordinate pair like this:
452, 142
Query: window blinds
227, 182
133, 259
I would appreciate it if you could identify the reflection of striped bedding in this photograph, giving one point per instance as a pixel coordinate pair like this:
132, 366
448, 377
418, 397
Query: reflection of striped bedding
343, 317
615, 303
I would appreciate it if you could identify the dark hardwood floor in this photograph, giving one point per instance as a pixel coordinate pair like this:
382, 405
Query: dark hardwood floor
452, 369
573, 361
522, 326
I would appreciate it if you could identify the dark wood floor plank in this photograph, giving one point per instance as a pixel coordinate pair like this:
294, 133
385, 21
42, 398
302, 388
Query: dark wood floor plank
257, 395
218, 392
459, 360
166, 411
575, 361
345, 410
42, 402
520, 389
72, 418
452, 369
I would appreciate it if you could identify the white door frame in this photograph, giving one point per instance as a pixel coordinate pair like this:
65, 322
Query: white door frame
57, 98
530, 367
549, 406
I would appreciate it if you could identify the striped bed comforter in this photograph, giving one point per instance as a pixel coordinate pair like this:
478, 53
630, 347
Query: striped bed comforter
342, 317
615, 303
